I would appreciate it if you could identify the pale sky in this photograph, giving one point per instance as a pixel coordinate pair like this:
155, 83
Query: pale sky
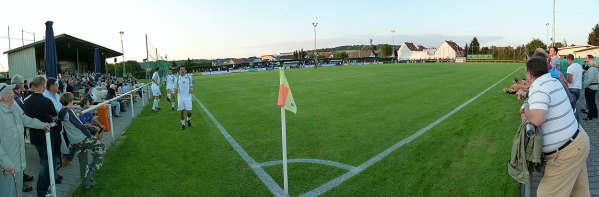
237, 28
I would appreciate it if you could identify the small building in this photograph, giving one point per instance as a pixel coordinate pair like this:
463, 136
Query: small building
269, 58
448, 50
594, 51
360, 53
74, 54
236, 61
578, 51
328, 55
407, 50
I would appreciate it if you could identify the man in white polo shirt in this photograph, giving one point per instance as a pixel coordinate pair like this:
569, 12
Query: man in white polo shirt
565, 143
574, 80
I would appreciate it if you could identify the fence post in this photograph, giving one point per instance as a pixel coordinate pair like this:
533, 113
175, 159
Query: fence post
50, 163
111, 124
143, 102
132, 111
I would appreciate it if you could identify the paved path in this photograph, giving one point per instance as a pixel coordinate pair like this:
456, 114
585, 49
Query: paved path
592, 129
71, 175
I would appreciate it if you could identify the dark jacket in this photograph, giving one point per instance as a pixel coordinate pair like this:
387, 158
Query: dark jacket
19, 100
111, 94
40, 107
75, 130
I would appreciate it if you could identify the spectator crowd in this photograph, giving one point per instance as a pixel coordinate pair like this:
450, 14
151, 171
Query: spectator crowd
28, 110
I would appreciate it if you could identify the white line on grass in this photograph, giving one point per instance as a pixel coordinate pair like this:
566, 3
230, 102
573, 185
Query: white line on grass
337, 181
316, 161
274, 188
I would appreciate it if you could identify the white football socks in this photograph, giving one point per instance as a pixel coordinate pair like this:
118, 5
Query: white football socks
155, 103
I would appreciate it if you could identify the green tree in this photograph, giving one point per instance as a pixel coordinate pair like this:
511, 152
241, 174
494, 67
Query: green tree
520, 52
465, 52
341, 54
386, 50
188, 64
174, 64
484, 50
303, 54
535, 43
594, 36
474, 46
558, 45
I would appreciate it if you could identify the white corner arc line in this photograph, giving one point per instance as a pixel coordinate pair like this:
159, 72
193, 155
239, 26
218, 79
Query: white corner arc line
337, 181
315, 161
274, 188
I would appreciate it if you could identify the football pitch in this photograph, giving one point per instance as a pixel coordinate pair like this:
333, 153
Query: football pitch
436, 129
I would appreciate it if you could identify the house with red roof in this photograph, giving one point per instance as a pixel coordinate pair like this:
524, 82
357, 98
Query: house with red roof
447, 50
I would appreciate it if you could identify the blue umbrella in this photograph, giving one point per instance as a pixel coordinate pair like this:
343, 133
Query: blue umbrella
98, 66
50, 59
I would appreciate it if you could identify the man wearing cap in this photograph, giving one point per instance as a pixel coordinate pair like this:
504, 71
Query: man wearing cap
19, 84
565, 144
12, 145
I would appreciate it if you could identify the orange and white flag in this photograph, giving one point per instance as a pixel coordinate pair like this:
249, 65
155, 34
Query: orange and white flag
285, 97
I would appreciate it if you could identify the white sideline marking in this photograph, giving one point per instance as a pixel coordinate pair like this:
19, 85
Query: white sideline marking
335, 182
274, 188
316, 161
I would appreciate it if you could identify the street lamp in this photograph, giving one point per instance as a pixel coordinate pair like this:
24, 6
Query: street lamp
553, 37
547, 33
315, 55
123, 51
393, 45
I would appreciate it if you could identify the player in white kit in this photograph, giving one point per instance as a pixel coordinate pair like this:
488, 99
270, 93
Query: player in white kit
184, 90
156, 89
170, 88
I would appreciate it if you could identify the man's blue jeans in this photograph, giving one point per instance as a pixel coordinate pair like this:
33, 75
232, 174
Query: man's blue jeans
43, 180
575, 95
117, 107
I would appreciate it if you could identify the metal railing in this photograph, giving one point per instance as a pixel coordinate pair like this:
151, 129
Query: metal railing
107, 102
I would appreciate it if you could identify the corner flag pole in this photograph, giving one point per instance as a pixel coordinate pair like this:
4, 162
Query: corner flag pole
284, 136
286, 102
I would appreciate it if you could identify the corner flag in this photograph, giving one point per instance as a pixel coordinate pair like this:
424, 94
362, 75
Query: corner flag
285, 97
286, 102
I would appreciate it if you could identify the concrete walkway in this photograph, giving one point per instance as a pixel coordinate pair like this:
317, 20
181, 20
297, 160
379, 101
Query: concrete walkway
71, 175
592, 129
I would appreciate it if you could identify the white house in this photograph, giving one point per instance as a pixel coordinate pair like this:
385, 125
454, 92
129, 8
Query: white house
406, 50
594, 51
448, 50
579, 51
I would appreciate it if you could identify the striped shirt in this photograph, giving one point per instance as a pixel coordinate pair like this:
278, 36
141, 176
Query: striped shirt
548, 94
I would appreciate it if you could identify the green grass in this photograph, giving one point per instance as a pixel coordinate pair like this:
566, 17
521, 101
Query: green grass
346, 115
